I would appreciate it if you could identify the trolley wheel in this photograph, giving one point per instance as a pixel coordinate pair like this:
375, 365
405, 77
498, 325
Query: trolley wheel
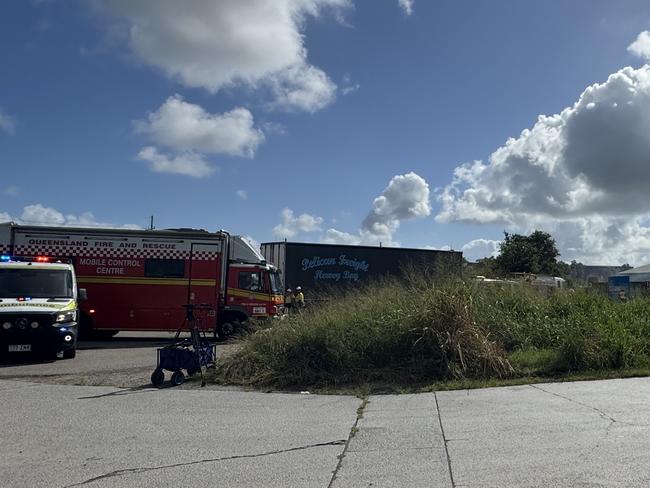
158, 377
178, 378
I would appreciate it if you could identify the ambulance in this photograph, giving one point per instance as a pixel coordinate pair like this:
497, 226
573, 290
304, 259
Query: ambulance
38, 307
143, 280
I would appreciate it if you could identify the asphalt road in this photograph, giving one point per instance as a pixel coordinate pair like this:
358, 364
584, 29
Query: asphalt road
126, 360
54, 434
592, 434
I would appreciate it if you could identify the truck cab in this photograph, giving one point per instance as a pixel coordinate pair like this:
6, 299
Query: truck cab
38, 307
253, 287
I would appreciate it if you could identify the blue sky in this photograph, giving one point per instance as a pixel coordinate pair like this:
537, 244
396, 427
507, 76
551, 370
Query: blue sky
347, 129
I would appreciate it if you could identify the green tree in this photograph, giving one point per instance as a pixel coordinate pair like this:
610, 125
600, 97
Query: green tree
484, 267
536, 253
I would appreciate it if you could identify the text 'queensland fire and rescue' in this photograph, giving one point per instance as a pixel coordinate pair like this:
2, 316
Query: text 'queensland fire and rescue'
107, 266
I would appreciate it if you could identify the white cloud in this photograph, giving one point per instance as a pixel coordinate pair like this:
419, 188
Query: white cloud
303, 88
184, 126
348, 85
581, 174
38, 214
406, 197
446, 247
242, 194
407, 6
333, 236
7, 124
641, 46
292, 225
480, 248
215, 45
187, 163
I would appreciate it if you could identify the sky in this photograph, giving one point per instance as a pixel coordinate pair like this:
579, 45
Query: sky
427, 124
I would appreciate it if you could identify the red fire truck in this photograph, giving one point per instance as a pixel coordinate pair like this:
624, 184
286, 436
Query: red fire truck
139, 280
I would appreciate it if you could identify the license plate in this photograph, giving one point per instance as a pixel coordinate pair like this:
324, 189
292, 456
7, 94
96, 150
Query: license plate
20, 348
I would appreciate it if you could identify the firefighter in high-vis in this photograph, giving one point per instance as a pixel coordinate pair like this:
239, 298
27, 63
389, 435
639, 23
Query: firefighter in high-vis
298, 299
288, 300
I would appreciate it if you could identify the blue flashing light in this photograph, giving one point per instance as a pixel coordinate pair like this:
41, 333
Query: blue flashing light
5, 258
63, 329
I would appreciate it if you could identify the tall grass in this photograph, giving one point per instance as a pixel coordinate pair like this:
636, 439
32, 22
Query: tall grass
415, 332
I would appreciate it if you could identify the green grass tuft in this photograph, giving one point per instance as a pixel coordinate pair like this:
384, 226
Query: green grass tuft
417, 334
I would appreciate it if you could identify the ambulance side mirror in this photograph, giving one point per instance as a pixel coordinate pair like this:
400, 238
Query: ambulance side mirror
82, 295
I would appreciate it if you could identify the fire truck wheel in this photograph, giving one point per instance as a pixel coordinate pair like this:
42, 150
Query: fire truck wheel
178, 378
226, 329
69, 353
157, 377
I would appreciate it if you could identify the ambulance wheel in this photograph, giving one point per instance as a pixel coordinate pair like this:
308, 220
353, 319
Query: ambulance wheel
178, 378
69, 353
157, 377
51, 354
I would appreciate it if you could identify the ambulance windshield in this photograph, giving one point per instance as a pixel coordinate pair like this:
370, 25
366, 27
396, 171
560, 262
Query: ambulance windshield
35, 283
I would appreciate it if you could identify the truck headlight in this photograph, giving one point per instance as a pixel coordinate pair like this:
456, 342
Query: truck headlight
62, 317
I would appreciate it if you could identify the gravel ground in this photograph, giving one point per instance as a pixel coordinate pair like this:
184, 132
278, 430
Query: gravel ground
125, 361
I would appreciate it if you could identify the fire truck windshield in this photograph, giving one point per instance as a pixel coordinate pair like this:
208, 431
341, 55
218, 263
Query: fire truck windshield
276, 282
35, 283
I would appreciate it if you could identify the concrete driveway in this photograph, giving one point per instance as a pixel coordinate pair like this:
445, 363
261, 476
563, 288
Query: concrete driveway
572, 434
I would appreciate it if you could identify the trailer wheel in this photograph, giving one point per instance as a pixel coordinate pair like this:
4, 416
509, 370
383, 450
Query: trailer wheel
178, 378
157, 377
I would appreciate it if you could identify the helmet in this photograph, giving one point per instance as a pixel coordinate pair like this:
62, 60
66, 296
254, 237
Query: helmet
298, 288
288, 290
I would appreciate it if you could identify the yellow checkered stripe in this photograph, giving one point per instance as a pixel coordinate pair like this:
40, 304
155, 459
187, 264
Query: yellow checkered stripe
59, 306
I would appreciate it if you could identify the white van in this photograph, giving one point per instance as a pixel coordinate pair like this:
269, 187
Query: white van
38, 307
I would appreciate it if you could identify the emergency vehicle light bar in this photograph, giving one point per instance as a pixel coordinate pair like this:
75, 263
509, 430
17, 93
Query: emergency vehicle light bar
32, 259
